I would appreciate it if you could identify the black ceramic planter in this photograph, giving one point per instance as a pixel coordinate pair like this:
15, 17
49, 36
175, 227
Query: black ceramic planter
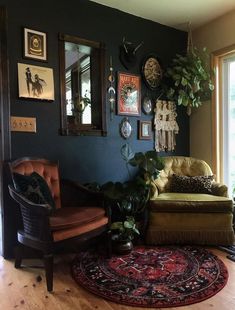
122, 247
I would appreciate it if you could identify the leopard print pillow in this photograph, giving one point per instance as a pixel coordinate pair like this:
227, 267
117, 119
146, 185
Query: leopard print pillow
197, 184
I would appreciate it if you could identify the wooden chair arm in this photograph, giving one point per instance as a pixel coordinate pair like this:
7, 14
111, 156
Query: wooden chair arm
34, 207
80, 187
75, 194
35, 216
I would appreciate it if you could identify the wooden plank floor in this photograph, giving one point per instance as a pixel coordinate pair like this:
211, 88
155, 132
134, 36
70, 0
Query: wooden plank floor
19, 289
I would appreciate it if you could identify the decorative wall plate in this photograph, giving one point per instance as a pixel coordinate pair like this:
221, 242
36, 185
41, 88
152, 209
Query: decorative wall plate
151, 71
125, 128
147, 105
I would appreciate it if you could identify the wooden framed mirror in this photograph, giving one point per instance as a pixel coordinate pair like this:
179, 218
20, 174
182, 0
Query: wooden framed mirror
82, 86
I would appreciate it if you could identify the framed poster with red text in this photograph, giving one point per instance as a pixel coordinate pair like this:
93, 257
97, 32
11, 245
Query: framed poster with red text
129, 94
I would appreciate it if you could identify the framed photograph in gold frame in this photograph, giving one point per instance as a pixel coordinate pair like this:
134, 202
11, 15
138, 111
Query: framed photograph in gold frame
129, 94
145, 130
35, 44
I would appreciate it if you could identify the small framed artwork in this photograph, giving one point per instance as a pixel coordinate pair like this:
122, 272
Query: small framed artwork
145, 130
129, 94
35, 82
35, 44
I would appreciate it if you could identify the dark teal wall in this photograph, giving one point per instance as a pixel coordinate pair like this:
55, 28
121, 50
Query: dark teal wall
84, 158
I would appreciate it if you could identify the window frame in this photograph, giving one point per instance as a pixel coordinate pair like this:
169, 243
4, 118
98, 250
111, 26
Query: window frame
217, 111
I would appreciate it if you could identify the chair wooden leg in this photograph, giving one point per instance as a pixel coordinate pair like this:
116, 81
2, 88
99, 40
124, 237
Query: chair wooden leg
48, 262
18, 256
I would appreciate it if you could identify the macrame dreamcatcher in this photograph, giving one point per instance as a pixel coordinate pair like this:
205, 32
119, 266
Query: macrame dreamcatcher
165, 125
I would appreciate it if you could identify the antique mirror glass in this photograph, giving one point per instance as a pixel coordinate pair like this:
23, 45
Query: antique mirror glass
82, 86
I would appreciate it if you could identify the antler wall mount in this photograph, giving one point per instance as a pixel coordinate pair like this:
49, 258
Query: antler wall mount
128, 52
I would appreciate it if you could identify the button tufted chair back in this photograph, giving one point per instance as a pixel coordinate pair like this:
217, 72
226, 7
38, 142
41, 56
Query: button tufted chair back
180, 165
47, 169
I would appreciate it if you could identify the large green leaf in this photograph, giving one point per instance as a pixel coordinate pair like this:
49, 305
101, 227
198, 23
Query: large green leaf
126, 152
128, 224
184, 82
137, 159
117, 225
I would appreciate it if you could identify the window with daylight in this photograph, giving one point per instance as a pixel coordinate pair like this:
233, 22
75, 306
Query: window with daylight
228, 94
224, 117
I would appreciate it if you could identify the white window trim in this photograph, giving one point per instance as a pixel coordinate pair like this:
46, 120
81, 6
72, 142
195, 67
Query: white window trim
218, 113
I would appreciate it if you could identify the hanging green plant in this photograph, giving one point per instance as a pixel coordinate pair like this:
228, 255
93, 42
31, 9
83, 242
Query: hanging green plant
80, 104
189, 79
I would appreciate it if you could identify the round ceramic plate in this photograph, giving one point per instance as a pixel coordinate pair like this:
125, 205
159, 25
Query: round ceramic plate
125, 128
147, 105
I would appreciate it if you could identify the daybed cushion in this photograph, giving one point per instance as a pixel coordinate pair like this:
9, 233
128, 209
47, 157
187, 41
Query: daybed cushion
191, 202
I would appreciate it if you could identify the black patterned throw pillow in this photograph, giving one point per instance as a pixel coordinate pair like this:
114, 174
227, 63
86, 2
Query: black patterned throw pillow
197, 184
34, 188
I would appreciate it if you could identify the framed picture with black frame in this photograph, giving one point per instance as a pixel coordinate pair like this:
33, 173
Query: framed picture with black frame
35, 44
35, 82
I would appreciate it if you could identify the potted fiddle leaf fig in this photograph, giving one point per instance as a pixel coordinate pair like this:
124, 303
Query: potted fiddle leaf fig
137, 190
123, 234
188, 80
121, 198
129, 199
149, 165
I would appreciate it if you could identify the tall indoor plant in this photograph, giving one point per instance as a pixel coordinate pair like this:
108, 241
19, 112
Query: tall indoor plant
129, 199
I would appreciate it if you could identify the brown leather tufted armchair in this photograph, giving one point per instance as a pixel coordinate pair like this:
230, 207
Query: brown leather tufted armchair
189, 217
79, 214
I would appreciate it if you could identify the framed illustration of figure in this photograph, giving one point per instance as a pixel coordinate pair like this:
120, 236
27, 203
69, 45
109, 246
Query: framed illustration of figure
35, 82
129, 94
35, 44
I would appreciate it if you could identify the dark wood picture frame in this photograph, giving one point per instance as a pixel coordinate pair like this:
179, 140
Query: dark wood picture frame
145, 130
129, 94
35, 45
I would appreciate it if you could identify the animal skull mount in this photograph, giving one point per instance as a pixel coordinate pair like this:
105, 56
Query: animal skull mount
128, 53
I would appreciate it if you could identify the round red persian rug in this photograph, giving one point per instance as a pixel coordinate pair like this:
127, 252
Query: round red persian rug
152, 276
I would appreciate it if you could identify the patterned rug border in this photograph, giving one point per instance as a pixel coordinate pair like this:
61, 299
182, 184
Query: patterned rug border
133, 304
